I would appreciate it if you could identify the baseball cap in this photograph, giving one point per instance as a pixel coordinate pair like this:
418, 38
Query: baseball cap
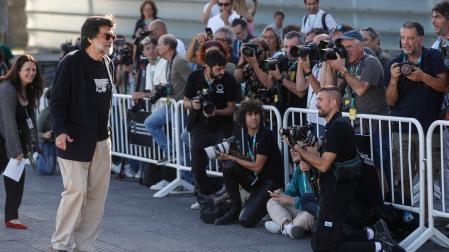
350, 35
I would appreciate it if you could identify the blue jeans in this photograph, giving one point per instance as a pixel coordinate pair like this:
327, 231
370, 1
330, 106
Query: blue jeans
46, 162
155, 123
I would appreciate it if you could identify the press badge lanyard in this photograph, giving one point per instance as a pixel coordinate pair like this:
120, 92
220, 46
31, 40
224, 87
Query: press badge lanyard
252, 151
29, 121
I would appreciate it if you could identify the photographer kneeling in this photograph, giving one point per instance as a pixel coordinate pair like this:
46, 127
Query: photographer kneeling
260, 171
210, 95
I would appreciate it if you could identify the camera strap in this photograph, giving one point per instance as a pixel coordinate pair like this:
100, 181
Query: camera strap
168, 67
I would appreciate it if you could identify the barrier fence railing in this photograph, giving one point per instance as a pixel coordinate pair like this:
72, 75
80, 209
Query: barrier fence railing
437, 145
395, 145
391, 146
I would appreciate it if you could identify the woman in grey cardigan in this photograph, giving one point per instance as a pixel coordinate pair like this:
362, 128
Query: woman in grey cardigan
20, 90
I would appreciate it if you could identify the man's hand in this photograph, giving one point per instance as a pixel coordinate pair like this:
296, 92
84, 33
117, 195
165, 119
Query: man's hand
224, 15
304, 63
251, 60
196, 105
137, 96
47, 135
224, 156
337, 64
61, 141
304, 166
395, 72
276, 74
201, 38
416, 74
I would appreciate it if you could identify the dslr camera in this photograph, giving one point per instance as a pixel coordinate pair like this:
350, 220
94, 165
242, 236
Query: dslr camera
271, 63
325, 50
142, 34
267, 96
405, 67
207, 105
161, 91
302, 135
139, 105
124, 56
250, 50
228, 145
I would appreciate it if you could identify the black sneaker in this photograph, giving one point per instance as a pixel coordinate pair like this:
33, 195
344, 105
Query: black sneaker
230, 217
390, 246
382, 235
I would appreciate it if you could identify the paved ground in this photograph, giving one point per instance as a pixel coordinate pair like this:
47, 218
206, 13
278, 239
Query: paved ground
135, 221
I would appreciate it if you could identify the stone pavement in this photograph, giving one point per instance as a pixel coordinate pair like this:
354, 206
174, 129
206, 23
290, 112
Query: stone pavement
135, 221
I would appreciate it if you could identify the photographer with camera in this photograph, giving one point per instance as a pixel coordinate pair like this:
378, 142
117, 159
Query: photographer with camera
340, 166
177, 71
124, 69
210, 95
415, 84
258, 170
254, 80
284, 74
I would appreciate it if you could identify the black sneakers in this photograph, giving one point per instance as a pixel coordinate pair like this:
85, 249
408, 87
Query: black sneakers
230, 217
382, 235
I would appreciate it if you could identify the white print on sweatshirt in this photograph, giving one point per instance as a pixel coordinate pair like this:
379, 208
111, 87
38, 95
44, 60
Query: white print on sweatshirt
101, 84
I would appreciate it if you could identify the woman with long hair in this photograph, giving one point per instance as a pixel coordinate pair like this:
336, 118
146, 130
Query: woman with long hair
246, 12
20, 90
148, 13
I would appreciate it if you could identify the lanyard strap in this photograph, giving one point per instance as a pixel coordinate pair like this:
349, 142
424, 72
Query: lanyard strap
252, 150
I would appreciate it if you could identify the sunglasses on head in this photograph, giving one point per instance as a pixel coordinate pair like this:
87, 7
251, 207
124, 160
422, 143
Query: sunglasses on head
224, 4
108, 36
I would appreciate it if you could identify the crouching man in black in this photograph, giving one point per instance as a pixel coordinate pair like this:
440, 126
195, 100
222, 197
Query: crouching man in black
258, 170
339, 165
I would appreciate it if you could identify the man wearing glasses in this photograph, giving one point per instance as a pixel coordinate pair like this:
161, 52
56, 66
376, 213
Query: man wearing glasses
226, 16
80, 107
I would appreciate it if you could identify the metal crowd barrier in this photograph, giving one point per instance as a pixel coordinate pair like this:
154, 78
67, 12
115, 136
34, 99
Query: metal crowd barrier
385, 130
437, 188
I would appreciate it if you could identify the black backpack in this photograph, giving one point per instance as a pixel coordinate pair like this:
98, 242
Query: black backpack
323, 20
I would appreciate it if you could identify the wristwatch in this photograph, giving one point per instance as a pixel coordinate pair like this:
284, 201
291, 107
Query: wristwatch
307, 74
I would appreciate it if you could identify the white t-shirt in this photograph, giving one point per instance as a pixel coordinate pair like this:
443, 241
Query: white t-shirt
311, 100
155, 74
216, 22
181, 48
213, 11
314, 21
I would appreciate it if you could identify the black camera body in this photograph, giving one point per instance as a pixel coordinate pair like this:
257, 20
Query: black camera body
325, 50
207, 105
161, 91
271, 63
141, 36
250, 50
267, 96
302, 135
139, 105
405, 67
125, 56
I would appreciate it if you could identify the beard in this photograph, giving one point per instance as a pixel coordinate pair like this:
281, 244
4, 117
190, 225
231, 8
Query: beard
217, 77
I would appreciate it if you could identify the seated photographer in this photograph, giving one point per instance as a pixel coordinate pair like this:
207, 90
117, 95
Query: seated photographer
177, 71
254, 80
286, 208
258, 170
284, 73
210, 95
340, 165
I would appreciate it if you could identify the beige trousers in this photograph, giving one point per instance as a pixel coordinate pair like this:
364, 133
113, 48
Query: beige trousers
82, 205
280, 213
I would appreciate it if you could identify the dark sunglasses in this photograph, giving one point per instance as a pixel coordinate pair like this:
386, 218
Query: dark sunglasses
224, 4
108, 36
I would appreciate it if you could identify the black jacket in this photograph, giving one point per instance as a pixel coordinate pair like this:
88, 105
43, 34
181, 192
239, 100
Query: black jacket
73, 105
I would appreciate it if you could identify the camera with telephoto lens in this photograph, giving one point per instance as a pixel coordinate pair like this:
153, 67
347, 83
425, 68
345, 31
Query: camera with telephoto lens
270, 64
405, 67
139, 105
266, 96
161, 91
207, 105
302, 135
227, 146
325, 50
249, 50
304, 50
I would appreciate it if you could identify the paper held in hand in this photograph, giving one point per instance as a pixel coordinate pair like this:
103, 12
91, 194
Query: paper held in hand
14, 169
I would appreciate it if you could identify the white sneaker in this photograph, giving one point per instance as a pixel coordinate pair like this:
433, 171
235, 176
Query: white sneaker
138, 174
128, 172
195, 206
293, 231
116, 168
272, 227
159, 185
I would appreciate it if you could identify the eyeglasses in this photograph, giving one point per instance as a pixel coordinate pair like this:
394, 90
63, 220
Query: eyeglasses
224, 4
108, 36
